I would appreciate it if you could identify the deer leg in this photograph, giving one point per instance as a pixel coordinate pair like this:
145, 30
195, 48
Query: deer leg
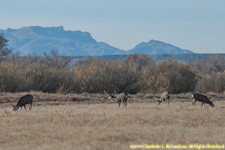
30, 106
193, 103
125, 103
159, 101
202, 104
119, 102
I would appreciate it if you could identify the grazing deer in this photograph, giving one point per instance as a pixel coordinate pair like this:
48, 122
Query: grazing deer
201, 98
164, 97
27, 99
122, 97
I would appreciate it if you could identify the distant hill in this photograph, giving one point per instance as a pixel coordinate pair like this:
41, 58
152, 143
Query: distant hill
157, 47
36, 40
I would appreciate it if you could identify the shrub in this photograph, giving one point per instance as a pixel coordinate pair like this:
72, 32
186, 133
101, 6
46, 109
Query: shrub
171, 76
11, 77
97, 76
212, 83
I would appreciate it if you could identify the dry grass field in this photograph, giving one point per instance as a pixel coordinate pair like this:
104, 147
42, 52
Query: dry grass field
67, 125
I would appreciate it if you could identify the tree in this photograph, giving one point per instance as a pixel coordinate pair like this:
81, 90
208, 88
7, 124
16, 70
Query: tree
4, 50
207, 66
99, 76
137, 62
171, 76
56, 61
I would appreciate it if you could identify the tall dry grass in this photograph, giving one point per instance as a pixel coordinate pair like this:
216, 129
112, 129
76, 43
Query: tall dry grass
105, 126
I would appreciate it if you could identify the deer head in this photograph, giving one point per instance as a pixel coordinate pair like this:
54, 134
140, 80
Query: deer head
14, 108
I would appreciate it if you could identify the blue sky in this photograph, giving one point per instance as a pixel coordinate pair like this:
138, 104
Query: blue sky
197, 25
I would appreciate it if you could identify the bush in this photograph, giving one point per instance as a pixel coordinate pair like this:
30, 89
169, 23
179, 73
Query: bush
213, 83
54, 74
97, 76
48, 79
209, 65
169, 75
11, 76
38, 77
137, 62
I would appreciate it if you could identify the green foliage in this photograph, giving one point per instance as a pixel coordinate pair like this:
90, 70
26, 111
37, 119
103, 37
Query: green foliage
4, 50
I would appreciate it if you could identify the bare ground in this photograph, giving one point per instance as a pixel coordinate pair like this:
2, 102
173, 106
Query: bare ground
92, 122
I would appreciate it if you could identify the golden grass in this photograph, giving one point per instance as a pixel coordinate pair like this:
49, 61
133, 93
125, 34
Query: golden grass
105, 126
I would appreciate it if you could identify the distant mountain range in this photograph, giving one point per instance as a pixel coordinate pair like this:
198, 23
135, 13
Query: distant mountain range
36, 40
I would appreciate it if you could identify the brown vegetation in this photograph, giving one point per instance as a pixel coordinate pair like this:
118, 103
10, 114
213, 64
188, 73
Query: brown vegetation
76, 125
99, 76
90, 120
52, 73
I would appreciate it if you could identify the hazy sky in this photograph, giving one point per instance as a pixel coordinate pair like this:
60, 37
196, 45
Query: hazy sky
197, 25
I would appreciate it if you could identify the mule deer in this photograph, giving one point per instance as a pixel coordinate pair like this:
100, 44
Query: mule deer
201, 98
164, 97
27, 99
122, 97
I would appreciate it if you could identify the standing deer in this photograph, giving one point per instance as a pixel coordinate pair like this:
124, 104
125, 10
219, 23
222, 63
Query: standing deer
27, 99
201, 98
164, 97
122, 97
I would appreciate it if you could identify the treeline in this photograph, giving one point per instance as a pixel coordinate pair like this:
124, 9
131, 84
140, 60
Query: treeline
55, 74
139, 73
